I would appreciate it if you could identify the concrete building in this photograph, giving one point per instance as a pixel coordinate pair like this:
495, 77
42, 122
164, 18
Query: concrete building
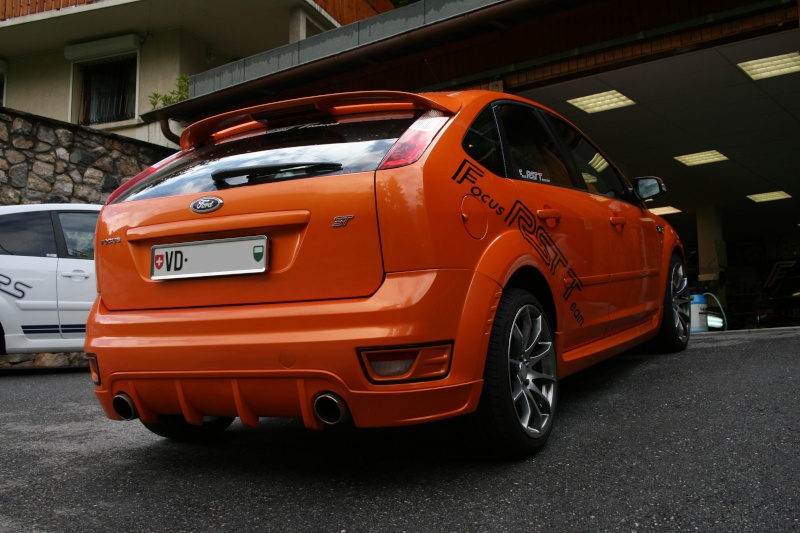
98, 62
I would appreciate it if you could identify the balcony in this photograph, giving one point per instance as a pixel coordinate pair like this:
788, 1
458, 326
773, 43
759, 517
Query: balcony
18, 8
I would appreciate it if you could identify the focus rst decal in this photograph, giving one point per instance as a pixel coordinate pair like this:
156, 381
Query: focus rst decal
470, 172
536, 235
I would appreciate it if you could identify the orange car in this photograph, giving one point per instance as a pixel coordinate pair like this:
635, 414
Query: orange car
383, 257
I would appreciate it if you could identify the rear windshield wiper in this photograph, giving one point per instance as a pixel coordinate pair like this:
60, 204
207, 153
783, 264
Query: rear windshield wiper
263, 173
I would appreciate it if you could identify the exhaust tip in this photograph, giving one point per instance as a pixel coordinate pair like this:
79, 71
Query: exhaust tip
330, 409
124, 407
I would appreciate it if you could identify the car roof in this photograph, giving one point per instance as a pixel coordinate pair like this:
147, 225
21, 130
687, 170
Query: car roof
6, 209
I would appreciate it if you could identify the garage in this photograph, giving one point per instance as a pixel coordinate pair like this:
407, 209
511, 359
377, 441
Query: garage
678, 67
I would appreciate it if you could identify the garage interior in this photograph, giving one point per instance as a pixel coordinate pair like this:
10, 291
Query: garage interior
738, 249
679, 64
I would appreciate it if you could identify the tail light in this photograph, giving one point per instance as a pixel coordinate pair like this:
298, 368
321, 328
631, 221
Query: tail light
411, 145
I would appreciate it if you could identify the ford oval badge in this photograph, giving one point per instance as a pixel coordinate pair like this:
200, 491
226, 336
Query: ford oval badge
206, 204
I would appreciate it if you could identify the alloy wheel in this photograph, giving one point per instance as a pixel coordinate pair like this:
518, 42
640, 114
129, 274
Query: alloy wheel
532, 370
681, 302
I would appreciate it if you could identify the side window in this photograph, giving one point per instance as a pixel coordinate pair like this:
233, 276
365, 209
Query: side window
78, 231
596, 174
532, 154
29, 234
482, 142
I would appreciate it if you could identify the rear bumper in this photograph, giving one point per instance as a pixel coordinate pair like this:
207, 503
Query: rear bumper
274, 360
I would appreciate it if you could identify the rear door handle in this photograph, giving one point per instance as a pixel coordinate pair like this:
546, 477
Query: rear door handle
550, 216
618, 222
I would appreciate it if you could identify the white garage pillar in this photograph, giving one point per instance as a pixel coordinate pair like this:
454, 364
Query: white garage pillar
712, 255
297, 25
302, 24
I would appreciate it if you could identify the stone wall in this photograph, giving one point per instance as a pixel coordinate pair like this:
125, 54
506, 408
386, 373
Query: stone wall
49, 161
44, 160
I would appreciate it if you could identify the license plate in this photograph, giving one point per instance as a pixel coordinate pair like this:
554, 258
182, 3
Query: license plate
220, 257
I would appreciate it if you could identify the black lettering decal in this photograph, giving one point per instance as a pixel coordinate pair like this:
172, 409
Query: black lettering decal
576, 313
547, 242
523, 217
168, 258
18, 290
178, 260
573, 283
525, 221
467, 171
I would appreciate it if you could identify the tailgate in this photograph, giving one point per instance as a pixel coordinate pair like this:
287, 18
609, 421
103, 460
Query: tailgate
321, 243
274, 203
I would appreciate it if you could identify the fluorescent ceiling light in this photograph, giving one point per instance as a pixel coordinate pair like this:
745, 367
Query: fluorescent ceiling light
701, 158
772, 66
668, 210
598, 163
769, 196
601, 102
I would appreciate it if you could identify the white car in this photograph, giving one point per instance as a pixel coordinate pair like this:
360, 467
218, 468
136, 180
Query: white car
47, 276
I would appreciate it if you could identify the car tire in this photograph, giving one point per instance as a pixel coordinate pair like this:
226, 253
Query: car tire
520, 386
176, 427
673, 336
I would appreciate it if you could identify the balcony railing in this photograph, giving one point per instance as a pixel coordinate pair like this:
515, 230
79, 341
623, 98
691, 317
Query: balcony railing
18, 8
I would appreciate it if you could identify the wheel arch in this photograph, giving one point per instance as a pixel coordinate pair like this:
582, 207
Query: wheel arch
510, 262
672, 244
532, 280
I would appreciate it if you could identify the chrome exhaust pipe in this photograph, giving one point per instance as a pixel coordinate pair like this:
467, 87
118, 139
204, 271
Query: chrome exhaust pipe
330, 409
124, 407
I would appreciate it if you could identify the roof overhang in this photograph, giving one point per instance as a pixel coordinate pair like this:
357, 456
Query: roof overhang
389, 35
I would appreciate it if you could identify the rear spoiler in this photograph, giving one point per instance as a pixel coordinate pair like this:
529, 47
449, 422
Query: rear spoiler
233, 122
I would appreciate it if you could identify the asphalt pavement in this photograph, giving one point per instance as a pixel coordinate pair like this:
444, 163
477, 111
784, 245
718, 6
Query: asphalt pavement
703, 440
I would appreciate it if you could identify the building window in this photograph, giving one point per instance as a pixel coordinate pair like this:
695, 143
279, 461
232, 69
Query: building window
108, 92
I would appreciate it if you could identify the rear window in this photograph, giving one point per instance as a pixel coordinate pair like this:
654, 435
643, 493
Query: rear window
324, 148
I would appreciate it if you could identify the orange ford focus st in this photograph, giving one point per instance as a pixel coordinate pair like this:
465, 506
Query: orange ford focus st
382, 258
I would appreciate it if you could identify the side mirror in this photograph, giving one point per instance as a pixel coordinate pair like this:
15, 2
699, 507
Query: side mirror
648, 187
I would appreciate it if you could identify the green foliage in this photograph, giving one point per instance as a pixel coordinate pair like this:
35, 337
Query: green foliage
180, 93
